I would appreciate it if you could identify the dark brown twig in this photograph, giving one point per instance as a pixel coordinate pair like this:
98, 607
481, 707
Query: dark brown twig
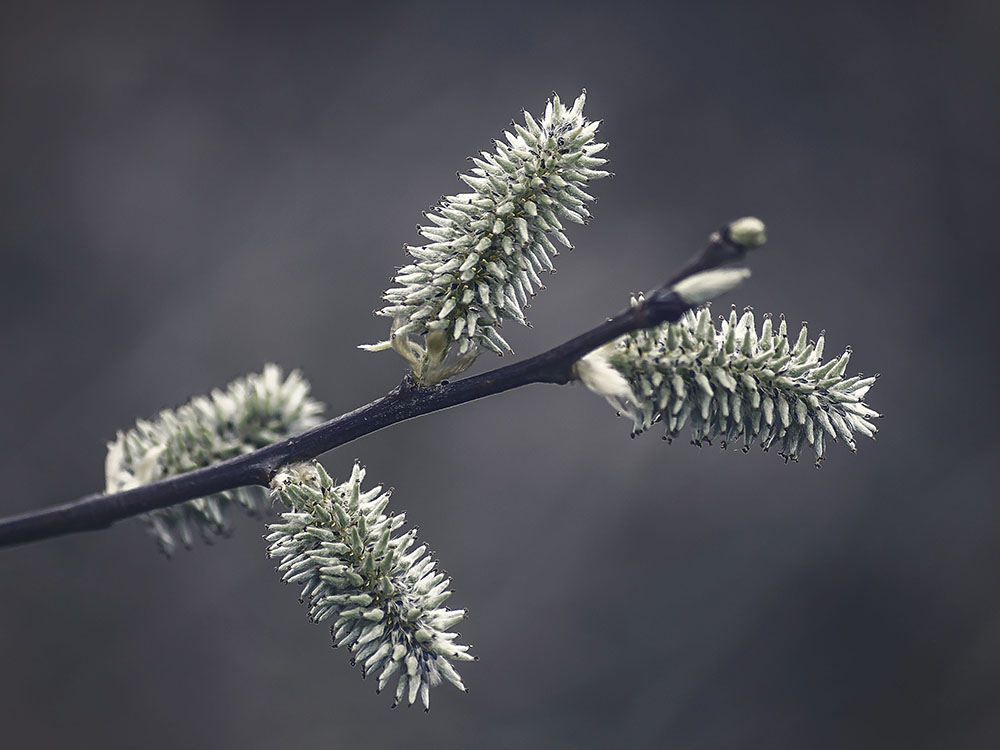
406, 401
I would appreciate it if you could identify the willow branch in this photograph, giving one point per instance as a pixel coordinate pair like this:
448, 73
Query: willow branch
406, 401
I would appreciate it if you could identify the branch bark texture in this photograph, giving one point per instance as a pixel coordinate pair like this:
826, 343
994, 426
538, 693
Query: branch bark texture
406, 401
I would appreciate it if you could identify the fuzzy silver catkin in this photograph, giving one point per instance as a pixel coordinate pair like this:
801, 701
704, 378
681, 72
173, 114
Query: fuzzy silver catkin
382, 594
737, 384
251, 412
487, 249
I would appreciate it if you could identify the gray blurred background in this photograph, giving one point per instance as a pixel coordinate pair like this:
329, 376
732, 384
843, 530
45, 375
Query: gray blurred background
190, 190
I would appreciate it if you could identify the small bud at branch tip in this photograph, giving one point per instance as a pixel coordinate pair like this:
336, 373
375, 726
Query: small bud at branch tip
748, 231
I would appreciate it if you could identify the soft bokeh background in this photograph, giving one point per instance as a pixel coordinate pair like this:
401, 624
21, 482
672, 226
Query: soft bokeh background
190, 190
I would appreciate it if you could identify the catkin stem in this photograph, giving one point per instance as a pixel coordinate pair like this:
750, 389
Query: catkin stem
406, 401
